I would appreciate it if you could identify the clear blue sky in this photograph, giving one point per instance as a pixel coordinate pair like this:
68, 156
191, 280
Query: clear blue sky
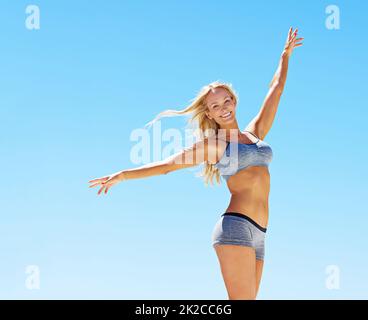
74, 90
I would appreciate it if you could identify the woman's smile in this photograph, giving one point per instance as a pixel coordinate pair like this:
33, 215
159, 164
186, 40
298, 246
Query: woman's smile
226, 115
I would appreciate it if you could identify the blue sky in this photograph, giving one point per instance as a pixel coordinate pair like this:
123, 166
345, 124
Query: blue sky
74, 90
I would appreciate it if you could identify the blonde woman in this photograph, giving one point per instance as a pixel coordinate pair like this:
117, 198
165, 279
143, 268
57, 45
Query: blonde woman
239, 235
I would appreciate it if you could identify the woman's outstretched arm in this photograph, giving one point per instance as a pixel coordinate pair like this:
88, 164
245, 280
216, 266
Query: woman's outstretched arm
262, 122
188, 157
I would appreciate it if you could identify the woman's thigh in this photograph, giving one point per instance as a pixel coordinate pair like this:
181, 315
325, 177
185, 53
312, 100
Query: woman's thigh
259, 269
238, 268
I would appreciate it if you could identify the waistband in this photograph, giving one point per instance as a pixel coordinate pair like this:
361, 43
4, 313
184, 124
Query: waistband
237, 214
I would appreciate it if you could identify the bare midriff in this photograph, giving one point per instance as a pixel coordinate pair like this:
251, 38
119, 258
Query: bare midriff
250, 188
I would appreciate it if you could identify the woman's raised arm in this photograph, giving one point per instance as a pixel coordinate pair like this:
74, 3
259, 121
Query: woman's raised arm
262, 122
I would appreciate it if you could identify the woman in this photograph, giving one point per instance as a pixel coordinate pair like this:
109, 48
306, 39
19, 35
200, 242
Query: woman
239, 235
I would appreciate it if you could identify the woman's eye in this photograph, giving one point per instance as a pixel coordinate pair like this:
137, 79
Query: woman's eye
215, 107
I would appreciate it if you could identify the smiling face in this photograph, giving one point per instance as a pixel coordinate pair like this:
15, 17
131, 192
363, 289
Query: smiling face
220, 106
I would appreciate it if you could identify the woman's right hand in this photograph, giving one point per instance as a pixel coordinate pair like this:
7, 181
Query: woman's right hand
107, 182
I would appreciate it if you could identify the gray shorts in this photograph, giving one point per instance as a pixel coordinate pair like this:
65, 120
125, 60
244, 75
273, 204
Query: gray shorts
238, 229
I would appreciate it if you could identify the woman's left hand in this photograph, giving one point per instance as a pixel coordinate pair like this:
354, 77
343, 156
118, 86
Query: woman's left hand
292, 41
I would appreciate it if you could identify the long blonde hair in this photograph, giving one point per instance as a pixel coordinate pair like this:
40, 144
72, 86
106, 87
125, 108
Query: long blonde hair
197, 108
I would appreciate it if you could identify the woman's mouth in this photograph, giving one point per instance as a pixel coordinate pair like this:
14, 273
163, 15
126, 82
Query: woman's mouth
226, 115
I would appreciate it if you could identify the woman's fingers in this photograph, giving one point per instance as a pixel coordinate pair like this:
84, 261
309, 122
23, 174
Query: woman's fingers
105, 187
105, 182
101, 189
294, 36
99, 179
93, 185
296, 43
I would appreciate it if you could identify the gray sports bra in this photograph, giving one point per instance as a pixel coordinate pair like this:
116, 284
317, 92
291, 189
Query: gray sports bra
249, 154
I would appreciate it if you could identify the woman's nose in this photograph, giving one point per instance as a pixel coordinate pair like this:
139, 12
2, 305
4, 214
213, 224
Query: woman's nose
223, 108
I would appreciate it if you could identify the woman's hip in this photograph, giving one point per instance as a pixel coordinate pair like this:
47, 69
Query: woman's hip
236, 228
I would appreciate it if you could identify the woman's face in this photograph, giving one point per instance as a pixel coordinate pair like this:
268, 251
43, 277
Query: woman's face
220, 106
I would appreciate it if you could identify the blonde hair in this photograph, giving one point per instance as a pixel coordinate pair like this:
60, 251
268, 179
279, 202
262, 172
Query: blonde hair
197, 108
